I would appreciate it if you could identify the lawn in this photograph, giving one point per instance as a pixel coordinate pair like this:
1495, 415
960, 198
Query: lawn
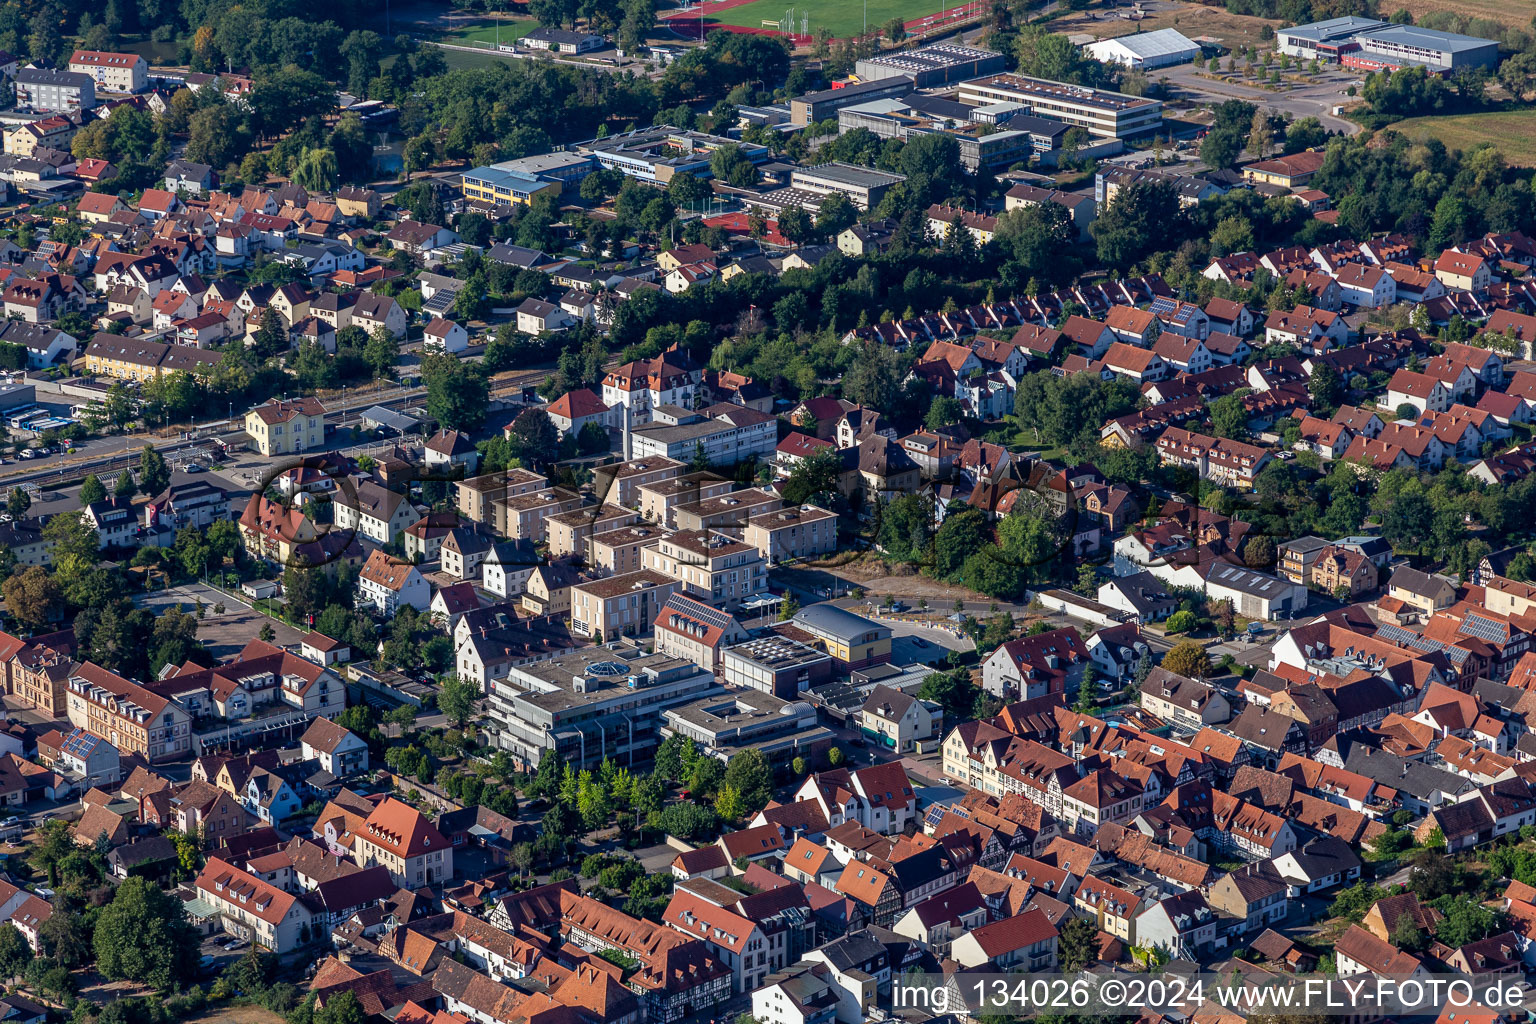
1513, 131
1514, 14
470, 31
844, 17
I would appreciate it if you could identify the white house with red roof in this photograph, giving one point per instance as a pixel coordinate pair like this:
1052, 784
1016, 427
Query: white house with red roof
735, 940
1026, 941
1463, 271
879, 798
443, 335
575, 409
1033, 666
1423, 392
156, 203
404, 841
389, 583
252, 908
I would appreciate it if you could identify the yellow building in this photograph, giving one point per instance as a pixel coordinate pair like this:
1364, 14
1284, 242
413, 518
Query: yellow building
500, 187
287, 427
850, 639
136, 359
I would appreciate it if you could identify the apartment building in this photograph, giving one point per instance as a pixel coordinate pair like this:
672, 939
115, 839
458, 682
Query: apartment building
475, 496
624, 605
522, 516
39, 671
618, 551
112, 72
403, 840
789, 533
254, 909
591, 703
710, 566
373, 511
658, 500
1102, 113
128, 716
47, 90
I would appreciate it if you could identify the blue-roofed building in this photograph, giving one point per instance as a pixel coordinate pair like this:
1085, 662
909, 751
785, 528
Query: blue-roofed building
502, 187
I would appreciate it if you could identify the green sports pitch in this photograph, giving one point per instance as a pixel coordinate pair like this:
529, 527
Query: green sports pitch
844, 18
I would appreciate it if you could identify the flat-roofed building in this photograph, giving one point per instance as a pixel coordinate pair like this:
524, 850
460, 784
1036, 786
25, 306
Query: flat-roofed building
1103, 114
1366, 44
819, 106
730, 511
499, 186
568, 533
618, 550
864, 186
591, 704
522, 516
657, 500
726, 434
939, 64
775, 664
743, 719
620, 483
475, 496
658, 153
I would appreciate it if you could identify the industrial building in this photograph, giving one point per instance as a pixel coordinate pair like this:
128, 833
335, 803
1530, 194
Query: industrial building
1101, 113
940, 64
1145, 50
1370, 45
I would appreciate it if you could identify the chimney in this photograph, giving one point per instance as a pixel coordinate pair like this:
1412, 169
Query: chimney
629, 441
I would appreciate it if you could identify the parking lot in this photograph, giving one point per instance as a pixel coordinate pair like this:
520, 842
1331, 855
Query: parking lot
224, 635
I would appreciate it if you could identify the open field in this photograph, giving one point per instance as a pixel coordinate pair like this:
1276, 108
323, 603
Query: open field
471, 31
843, 17
1233, 30
1513, 131
1516, 15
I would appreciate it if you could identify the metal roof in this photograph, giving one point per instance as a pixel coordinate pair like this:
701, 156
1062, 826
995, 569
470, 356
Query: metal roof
1161, 43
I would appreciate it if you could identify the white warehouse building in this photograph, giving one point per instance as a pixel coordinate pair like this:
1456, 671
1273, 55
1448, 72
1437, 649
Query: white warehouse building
1144, 50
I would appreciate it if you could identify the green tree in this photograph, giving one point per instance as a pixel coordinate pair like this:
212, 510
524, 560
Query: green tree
1078, 943
1220, 149
92, 490
1188, 658
457, 393
1181, 622
143, 936
381, 352
154, 474
751, 776
456, 699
